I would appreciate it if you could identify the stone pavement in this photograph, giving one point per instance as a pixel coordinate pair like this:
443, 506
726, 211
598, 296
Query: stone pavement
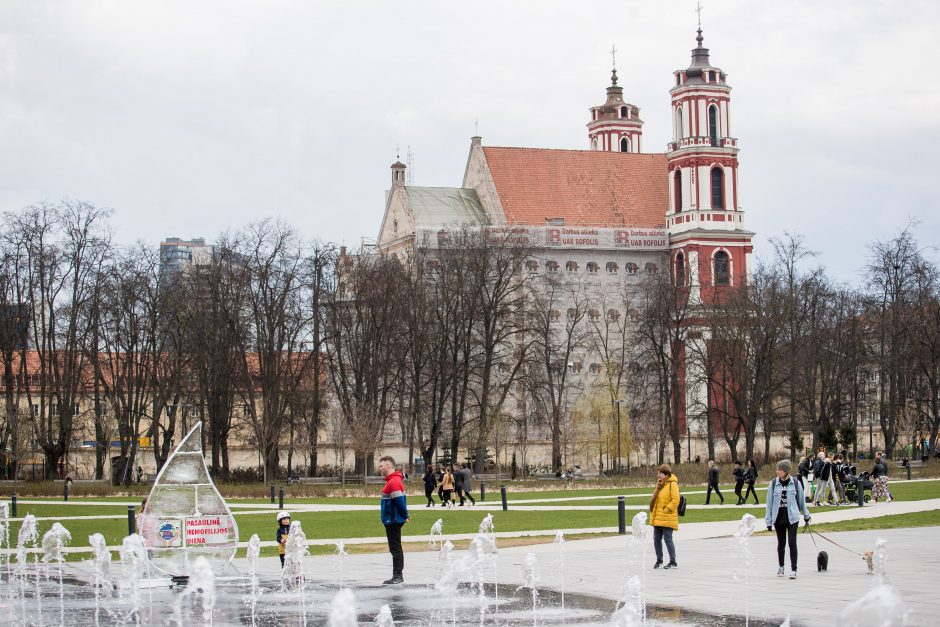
708, 561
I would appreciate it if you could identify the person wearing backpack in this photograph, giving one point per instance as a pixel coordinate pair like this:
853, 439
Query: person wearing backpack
738, 474
785, 502
664, 515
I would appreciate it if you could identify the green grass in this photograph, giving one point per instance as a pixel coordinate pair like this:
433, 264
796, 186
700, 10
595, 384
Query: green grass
916, 519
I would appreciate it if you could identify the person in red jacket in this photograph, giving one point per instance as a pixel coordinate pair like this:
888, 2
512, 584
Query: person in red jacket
394, 512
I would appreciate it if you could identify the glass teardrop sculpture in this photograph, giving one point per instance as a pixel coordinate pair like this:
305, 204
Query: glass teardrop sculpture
185, 516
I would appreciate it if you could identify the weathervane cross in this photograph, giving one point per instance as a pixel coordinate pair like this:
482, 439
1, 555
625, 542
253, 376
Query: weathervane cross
613, 55
698, 9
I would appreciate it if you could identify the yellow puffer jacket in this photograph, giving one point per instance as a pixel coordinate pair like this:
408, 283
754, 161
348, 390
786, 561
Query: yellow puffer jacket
665, 511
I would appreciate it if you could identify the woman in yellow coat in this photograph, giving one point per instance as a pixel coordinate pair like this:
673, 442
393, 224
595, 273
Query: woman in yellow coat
664, 515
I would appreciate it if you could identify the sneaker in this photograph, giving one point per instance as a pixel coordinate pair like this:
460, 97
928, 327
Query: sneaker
670, 565
780, 572
889, 500
792, 574
397, 579
658, 564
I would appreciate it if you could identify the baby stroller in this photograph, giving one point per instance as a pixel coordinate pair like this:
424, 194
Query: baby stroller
849, 483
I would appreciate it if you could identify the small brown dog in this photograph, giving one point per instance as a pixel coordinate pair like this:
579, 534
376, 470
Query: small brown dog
868, 562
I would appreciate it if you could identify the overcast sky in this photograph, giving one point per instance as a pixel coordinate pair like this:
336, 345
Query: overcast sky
188, 118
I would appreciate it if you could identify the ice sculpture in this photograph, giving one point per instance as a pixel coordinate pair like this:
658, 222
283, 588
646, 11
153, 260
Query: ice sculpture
185, 516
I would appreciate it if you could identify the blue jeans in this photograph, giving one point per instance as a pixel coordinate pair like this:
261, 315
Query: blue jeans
660, 533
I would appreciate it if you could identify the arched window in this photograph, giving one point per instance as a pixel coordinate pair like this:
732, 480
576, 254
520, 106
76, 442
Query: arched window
722, 268
679, 129
593, 143
680, 269
624, 144
718, 188
713, 124
623, 112
677, 189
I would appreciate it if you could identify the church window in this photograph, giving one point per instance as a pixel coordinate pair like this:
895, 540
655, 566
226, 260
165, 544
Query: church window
571, 266
711, 76
613, 314
680, 269
631, 267
722, 268
677, 189
612, 267
592, 267
718, 188
713, 124
651, 268
593, 143
551, 266
395, 224
624, 144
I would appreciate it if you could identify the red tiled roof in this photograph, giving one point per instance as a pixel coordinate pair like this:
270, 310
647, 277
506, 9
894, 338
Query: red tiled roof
585, 187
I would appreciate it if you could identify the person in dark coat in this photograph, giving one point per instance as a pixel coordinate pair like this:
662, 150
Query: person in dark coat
750, 477
467, 476
713, 483
738, 473
439, 475
430, 482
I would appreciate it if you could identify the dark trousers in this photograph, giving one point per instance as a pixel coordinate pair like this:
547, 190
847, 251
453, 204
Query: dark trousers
660, 534
282, 560
786, 534
393, 533
750, 491
428, 493
465, 494
708, 494
737, 490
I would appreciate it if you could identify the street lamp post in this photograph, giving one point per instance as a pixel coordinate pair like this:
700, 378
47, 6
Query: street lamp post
688, 443
619, 463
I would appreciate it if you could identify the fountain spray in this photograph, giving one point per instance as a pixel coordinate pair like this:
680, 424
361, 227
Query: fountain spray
102, 563
53, 543
341, 554
253, 552
530, 581
743, 538
343, 610
560, 541
28, 534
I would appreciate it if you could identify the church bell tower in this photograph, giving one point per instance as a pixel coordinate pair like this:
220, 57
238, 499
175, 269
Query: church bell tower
615, 126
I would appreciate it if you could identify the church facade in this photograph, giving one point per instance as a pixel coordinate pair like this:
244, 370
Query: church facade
609, 216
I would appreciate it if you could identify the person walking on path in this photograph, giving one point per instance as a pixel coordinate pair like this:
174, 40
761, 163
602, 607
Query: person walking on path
825, 487
458, 483
440, 479
785, 502
738, 473
467, 482
446, 487
430, 483
664, 515
804, 470
817, 469
838, 477
713, 483
394, 514
879, 477
283, 528
750, 477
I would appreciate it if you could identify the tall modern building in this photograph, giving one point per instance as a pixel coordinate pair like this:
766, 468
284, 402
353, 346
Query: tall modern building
176, 254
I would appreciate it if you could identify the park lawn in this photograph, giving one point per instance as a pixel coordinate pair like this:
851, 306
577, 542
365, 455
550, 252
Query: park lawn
68, 509
891, 521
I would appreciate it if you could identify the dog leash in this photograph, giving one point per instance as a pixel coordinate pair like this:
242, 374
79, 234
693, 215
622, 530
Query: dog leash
814, 532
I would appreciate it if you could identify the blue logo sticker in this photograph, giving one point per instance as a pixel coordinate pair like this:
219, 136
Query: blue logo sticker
168, 532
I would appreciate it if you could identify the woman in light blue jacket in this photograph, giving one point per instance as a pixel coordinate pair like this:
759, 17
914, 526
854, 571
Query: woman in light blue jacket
785, 502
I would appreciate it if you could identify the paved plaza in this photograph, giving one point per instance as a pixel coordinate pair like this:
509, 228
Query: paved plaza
708, 560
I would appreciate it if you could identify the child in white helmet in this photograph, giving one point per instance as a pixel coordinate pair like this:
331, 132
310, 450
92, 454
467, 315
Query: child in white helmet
283, 528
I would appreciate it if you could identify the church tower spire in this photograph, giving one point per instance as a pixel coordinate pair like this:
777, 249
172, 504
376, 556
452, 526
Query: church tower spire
705, 222
615, 126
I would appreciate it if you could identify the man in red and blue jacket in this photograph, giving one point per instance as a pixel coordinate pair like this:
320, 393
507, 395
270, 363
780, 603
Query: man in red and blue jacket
394, 510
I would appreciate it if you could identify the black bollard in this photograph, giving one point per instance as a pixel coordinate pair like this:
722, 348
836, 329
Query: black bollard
908, 471
860, 490
482, 491
13, 505
65, 491
280, 498
131, 520
272, 494
621, 516
502, 493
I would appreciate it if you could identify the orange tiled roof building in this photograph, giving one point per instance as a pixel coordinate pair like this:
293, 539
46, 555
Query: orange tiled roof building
610, 210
